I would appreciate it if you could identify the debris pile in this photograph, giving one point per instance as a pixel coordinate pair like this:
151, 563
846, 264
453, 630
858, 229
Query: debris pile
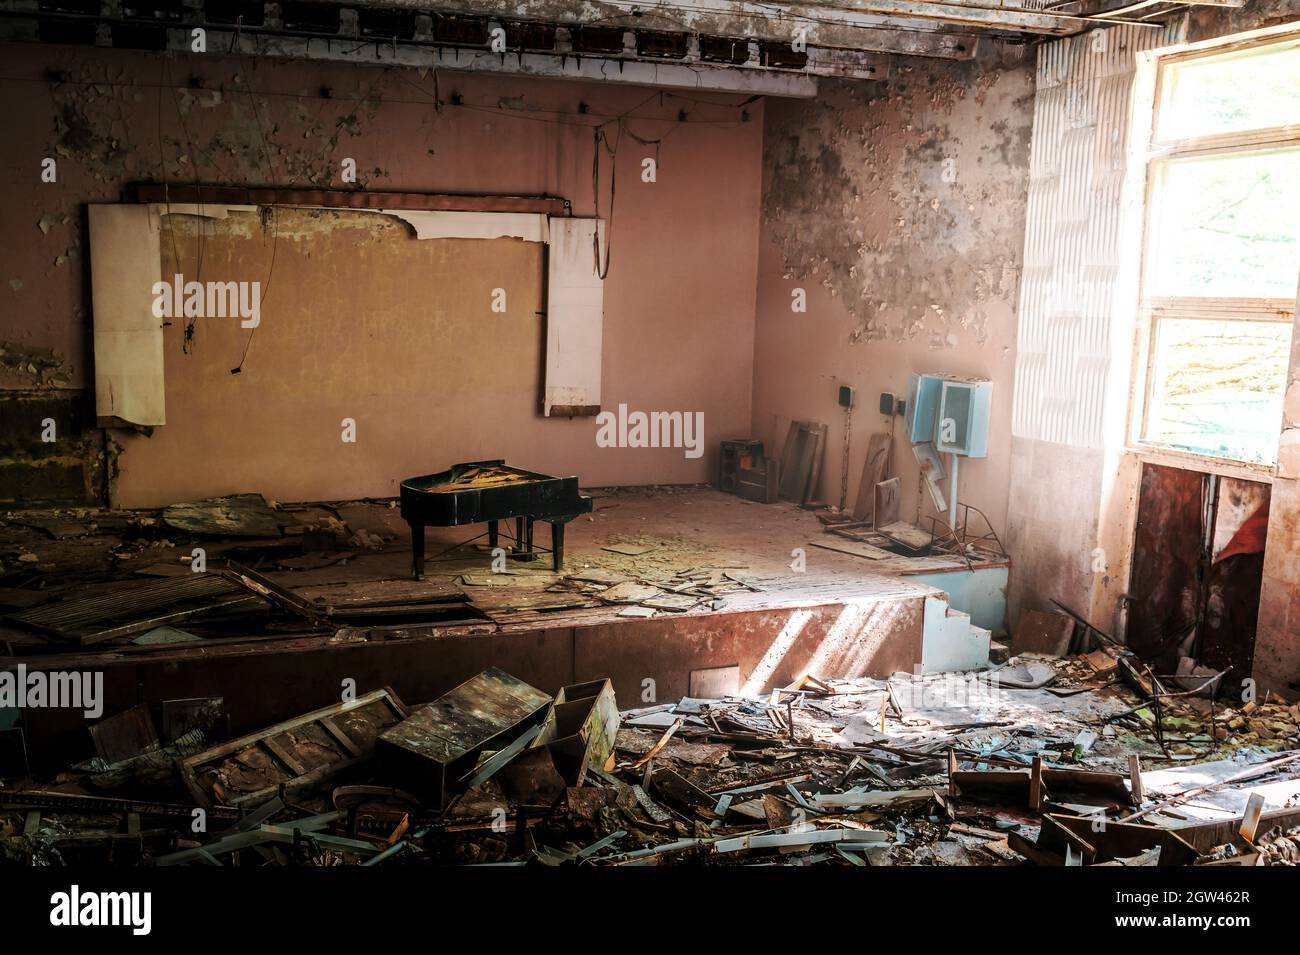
942, 769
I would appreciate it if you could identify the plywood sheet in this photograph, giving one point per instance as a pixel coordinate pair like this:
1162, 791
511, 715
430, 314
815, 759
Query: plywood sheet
360, 321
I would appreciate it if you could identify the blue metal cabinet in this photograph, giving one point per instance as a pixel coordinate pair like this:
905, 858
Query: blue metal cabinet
923, 392
951, 411
963, 421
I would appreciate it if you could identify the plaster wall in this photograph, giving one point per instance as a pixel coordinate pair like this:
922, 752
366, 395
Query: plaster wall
679, 296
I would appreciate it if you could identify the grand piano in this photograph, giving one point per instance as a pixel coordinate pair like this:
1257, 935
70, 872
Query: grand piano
488, 492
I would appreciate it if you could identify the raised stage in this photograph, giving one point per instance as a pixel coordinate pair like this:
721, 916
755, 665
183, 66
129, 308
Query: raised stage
746, 603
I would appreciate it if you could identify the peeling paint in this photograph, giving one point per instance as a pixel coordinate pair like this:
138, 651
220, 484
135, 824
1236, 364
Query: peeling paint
906, 209
39, 366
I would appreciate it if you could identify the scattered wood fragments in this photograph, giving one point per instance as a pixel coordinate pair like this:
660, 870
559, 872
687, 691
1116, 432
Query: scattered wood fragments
934, 769
240, 515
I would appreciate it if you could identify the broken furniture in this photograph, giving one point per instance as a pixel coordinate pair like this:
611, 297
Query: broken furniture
291, 756
586, 722
734, 456
490, 491
438, 747
745, 472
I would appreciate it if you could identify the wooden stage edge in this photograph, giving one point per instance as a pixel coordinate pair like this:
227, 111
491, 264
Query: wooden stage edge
650, 660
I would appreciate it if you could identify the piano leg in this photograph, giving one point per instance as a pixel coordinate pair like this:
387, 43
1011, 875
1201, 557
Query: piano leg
528, 531
417, 551
492, 534
519, 535
557, 544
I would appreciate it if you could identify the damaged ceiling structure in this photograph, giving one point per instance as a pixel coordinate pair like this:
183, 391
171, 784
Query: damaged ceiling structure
715, 44
693, 435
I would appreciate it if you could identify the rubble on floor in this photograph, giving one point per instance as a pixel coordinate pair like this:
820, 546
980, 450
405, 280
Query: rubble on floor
83, 577
940, 769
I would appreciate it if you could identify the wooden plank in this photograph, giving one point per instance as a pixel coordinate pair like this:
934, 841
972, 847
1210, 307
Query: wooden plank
853, 548
888, 501
283, 755
182, 193
273, 593
1135, 778
1116, 840
909, 535
1097, 784
817, 452
1031, 850
793, 476
340, 737
236, 515
1205, 836
1250, 818
874, 470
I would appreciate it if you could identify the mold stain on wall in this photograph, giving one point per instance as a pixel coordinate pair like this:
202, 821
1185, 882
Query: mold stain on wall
905, 198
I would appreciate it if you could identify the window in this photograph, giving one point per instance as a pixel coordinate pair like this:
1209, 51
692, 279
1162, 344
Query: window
1222, 250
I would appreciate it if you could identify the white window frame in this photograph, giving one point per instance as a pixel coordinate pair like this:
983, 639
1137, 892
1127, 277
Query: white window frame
1154, 155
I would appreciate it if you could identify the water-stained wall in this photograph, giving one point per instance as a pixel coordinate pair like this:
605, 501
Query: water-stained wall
679, 296
896, 208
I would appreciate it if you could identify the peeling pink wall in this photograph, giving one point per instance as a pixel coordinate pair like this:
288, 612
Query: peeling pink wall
679, 298
904, 271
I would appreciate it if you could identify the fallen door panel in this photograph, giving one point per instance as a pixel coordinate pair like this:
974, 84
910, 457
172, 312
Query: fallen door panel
297, 754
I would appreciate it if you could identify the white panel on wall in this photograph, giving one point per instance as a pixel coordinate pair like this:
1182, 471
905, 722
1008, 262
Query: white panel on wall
1073, 251
574, 317
124, 265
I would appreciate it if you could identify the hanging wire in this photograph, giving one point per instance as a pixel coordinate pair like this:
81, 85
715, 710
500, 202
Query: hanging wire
275, 222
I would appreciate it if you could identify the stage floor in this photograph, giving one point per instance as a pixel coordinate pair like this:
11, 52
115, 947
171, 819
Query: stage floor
749, 602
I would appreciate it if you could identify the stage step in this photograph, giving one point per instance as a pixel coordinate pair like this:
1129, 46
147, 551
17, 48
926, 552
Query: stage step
950, 642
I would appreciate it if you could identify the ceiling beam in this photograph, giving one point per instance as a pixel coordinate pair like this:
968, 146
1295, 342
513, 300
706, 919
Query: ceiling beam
827, 23
695, 76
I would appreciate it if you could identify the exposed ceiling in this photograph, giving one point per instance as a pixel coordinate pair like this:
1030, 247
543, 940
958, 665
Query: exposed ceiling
770, 48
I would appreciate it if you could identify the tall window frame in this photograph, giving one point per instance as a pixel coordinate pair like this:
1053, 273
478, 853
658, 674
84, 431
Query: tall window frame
1184, 144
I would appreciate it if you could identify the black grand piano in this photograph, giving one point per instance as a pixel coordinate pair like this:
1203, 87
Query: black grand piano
491, 491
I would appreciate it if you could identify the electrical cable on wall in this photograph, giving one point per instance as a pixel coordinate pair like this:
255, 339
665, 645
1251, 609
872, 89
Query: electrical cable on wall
612, 148
275, 226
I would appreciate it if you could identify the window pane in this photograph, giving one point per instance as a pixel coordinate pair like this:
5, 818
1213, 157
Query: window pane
1226, 226
1218, 387
1255, 89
